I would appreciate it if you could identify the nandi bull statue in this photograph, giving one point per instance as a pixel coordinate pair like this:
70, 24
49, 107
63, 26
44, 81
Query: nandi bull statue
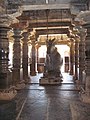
52, 72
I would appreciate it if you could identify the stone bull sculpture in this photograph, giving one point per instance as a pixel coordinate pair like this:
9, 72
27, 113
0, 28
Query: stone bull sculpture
53, 60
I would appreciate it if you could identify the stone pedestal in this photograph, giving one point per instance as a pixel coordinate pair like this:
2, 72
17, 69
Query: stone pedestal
50, 81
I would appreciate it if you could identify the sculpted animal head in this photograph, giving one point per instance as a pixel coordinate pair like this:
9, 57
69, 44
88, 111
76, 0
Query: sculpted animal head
50, 45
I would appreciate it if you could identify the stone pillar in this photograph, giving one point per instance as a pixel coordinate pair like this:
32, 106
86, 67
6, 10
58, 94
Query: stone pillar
5, 73
72, 57
82, 55
33, 56
33, 60
86, 96
38, 64
25, 57
17, 58
7, 92
4, 51
76, 57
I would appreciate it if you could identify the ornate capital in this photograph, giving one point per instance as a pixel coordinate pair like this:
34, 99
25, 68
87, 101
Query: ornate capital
83, 17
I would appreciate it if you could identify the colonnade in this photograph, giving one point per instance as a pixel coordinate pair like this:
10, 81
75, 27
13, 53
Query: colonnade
20, 56
79, 55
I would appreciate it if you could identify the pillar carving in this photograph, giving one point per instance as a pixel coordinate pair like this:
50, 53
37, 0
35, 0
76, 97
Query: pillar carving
82, 55
25, 57
72, 57
4, 51
86, 94
33, 60
7, 92
33, 56
17, 59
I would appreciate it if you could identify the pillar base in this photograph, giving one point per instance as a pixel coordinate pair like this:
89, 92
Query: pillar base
33, 73
27, 80
85, 98
8, 94
80, 110
20, 85
78, 84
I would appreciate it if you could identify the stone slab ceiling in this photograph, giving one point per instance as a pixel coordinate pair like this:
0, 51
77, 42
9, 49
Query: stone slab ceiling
42, 14
33, 2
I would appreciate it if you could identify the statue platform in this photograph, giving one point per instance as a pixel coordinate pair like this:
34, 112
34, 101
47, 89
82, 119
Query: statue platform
50, 81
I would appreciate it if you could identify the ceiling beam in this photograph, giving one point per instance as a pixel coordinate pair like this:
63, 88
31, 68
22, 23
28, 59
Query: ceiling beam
46, 6
50, 24
52, 31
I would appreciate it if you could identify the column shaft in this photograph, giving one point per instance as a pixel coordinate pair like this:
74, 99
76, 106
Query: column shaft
86, 95
82, 55
72, 57
76, 58
33, 59
25, 57
16, 56
5, 74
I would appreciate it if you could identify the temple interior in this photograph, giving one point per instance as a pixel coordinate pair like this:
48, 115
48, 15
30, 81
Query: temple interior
44, 60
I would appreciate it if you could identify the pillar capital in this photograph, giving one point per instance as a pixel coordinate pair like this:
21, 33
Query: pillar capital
17, 34
83, 17
25, 36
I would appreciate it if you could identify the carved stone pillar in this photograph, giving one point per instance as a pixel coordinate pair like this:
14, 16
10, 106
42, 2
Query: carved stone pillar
72, 57
25, 57
33, 60
38, 64
7, 92
86, 96
4, 51
76, 57
17, 58
33, 56
82, 55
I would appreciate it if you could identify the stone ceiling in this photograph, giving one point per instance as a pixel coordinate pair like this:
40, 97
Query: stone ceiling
56, 15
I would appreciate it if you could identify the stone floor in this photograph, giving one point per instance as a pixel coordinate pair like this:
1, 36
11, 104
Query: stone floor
47, 102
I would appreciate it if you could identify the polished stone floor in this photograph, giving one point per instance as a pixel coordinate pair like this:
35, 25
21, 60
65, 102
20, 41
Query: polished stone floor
47, 102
